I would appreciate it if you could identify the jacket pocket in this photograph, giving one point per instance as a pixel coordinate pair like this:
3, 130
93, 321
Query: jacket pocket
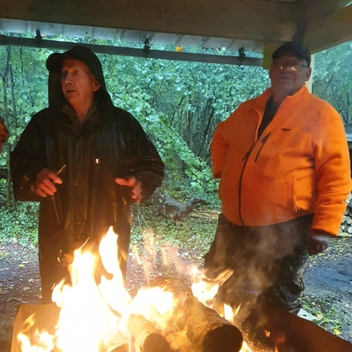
267, 200
304, 193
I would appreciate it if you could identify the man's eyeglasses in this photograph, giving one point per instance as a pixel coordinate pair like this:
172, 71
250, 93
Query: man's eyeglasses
294, 67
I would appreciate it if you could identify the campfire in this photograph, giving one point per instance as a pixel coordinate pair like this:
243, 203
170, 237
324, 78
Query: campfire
167, 315
94, 312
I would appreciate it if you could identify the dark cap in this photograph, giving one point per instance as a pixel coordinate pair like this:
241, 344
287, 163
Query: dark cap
78, 52
293, 49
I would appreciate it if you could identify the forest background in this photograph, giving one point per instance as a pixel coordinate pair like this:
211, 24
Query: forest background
179, 105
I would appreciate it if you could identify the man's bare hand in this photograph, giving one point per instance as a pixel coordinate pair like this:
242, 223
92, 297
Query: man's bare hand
318, 242
45, 183
134, 185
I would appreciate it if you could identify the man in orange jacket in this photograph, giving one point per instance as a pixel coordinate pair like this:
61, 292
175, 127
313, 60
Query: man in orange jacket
284, 169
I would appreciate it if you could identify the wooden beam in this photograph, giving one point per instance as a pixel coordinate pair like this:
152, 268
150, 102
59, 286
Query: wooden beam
232, 24
250, 19
143, 52
330, 31
318, 9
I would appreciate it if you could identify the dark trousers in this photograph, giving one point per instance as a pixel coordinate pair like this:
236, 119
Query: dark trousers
267, 262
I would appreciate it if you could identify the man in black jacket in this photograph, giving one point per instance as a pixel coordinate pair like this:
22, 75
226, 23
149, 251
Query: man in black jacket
85, 161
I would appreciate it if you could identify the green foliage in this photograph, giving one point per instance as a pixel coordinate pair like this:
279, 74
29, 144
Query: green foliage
192, 97
191, 236
333, 78
178, 104
19, 223
326, 317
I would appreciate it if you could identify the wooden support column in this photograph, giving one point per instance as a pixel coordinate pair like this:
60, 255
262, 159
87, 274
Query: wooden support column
310, 81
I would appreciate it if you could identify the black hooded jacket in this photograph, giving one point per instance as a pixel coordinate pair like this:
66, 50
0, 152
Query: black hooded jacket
110, 144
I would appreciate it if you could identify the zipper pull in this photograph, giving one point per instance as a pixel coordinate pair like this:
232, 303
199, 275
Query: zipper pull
263, 141
247, 154
265, 138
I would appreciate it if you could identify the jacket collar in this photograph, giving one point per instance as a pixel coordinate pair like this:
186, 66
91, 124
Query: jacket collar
261, 100
70, 112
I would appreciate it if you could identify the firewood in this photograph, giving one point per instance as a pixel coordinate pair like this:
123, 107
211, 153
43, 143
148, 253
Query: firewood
122, 348
179, 341
204, 327
209, 214
145, 335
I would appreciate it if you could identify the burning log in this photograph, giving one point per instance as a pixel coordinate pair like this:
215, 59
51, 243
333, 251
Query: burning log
122, 348
145, 335
179, 341
207, 330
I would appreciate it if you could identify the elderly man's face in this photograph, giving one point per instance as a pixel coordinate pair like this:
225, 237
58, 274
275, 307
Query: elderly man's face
78, 84
288, 80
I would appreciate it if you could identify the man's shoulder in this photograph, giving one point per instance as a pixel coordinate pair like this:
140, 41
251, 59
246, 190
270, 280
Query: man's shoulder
320, 104
119, 112
120, 115
46, 117
257, 102
114, 111
43, 114
318, 100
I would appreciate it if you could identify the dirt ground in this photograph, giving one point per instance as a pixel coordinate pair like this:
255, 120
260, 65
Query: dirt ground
328, 281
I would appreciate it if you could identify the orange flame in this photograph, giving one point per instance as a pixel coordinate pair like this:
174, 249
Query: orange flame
94, 317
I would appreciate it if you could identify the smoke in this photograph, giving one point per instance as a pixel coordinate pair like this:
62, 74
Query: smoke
265, 261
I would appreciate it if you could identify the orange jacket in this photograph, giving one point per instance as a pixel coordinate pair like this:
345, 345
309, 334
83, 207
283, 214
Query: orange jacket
299, 165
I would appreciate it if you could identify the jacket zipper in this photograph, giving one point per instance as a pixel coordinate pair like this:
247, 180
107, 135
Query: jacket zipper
263, 141
245, 159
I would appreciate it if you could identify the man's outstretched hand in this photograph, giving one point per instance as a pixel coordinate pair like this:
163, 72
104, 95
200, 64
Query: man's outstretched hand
318, 242
45, 183
134, 185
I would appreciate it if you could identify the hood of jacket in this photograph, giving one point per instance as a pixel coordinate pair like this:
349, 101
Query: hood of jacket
81, 53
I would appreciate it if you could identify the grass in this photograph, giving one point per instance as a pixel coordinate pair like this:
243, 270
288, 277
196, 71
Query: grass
19, 223
191, 236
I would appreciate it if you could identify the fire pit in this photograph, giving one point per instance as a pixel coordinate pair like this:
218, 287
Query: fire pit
191, 327
164, 316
